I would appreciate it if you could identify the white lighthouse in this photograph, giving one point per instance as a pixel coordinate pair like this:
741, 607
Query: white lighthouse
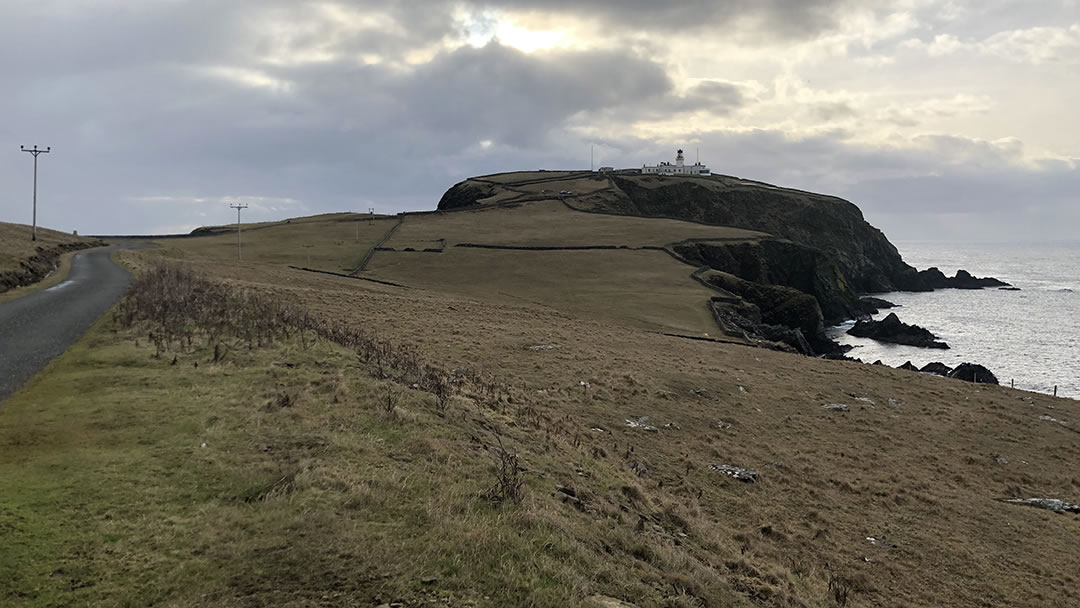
679, 168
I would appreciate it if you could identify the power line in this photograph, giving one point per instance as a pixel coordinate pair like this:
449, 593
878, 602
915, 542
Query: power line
35, 152
238, 207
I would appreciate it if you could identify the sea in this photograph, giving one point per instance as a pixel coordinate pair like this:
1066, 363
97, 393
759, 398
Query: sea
1030, 338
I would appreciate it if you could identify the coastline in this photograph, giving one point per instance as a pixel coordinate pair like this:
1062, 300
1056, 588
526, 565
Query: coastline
1022, 335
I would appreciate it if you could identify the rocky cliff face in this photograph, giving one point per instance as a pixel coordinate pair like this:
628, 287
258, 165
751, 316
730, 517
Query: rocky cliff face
820, 245
779, 262
833, 226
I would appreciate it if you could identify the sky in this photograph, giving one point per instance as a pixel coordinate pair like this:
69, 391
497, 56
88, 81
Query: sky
941, 119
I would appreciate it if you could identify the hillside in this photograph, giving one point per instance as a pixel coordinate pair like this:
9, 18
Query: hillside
832, 231
23, 261
346, 442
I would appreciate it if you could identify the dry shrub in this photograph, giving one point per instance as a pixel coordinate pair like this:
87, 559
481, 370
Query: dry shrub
840, 588
179, 309
508, 476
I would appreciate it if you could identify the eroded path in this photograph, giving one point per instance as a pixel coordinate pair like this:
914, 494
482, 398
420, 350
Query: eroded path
38, 327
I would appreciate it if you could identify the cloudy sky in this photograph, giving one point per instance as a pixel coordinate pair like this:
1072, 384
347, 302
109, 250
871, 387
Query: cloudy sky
941, 119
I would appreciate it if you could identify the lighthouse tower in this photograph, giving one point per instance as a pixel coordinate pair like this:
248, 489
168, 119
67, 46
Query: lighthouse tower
679, 168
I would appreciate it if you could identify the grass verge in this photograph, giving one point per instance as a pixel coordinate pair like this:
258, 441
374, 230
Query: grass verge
63, 269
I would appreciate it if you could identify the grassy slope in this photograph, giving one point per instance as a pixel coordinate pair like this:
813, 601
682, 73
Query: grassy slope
15, 243
17, 248
917, 471
552, 224
606, 285
133, 482
63, 268
598, 284
370, 505
333, 242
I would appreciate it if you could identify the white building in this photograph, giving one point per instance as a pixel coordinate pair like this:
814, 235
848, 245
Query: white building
679, 168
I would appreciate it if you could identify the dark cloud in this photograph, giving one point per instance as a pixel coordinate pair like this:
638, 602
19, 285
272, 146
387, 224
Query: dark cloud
711, 95
502, 94
160, 111
771, 18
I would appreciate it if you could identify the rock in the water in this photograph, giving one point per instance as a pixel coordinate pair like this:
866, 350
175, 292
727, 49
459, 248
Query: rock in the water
973, 372
936, 368
1008, 289
871, 305
908, 365
892, 329
932, 278
964, 280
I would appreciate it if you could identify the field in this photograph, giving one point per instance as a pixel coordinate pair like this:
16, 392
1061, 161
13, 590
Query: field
278, 475
599, 284
553, 224
336, 243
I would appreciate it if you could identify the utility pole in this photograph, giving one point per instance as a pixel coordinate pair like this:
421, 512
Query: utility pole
238, 207
35, 152
592, 157
371, 215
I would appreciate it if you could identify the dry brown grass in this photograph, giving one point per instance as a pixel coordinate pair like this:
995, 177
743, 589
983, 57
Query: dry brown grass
321, 242
915, 467
567, 348
25, 264
594, 284
552, 224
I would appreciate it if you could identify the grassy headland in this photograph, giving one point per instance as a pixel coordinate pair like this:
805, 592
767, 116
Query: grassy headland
341, 442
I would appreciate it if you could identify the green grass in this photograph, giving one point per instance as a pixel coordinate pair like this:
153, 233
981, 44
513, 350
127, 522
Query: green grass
130, 481
597, 284
110, 496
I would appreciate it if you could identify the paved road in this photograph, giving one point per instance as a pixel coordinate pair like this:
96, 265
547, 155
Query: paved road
36, 328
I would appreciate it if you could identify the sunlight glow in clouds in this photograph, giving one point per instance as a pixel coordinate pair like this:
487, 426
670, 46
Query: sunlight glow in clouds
906, 106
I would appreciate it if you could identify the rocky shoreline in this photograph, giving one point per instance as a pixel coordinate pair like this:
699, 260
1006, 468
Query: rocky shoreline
892, 330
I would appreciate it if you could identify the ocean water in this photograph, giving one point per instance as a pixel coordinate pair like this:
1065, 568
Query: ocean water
1030, 336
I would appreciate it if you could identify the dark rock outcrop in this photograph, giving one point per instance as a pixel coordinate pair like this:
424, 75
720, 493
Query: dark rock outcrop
937, 368
773, 311
973, 372
738, 325
871, 305
466, 194
892, 329
908, 365
779, 262
932, 278
867, 260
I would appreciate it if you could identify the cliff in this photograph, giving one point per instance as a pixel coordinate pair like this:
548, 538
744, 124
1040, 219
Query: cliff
836, 227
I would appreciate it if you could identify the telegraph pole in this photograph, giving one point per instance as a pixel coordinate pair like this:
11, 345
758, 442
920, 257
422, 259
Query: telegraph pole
35, 152
238, 207
371, 215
